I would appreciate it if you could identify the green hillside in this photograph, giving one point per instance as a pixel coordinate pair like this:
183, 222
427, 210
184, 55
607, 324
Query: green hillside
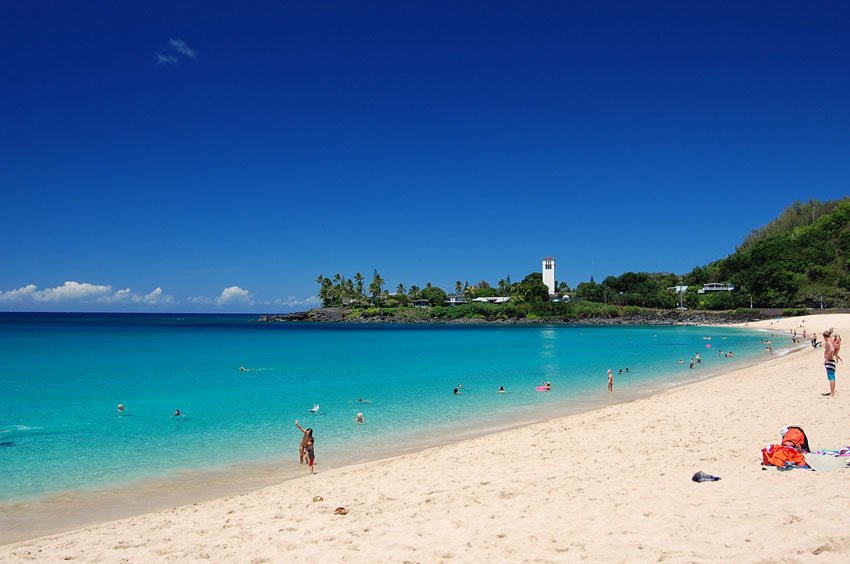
799, 259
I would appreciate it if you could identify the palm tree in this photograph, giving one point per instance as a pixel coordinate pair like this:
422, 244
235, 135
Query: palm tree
377, 285
458, 287
400, 290
414, 291
358, 280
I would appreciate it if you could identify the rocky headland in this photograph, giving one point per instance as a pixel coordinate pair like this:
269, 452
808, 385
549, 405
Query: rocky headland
644, 317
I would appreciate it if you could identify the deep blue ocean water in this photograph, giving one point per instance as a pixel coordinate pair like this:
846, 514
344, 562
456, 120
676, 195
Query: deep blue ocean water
63, 375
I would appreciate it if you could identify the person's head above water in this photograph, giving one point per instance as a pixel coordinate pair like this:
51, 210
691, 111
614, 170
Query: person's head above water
120, 407
176, 412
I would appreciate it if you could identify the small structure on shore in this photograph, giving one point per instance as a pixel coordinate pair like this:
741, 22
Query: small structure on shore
716, 287
549, 274
455, 299
493, 299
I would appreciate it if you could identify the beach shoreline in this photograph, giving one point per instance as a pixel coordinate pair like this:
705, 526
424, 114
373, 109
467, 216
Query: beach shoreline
503, 453
27, 518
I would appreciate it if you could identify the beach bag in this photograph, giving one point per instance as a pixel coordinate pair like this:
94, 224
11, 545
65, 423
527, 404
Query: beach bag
796, 438
783, 456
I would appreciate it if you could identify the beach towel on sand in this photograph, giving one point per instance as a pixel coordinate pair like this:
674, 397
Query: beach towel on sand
783, 457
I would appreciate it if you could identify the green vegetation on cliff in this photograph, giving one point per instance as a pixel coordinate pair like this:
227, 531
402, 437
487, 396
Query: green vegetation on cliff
801, 259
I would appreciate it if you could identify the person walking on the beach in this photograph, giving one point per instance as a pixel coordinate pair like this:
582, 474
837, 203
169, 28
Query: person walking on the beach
610, 380
829, 355
306, 448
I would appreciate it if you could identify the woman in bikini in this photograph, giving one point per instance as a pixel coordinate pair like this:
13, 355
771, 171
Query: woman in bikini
305, 450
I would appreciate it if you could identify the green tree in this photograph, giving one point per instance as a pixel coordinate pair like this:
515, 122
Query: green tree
376, 287
531, 289
358, 282
435, 296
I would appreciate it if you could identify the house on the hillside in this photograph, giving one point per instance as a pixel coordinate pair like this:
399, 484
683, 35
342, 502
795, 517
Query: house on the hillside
455, 299
493, 299
716, 287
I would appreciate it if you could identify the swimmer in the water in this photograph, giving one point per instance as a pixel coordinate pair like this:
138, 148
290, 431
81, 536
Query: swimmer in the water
315, 408
120, 407
177, 413
361, 400
456, 391
501, 389
359, 418
242, 369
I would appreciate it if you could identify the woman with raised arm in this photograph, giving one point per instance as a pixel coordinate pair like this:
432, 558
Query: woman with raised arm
306, 448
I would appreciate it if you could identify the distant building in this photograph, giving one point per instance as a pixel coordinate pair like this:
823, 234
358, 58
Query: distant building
421, 303
716, 287
455, 299
493, 299
549, 274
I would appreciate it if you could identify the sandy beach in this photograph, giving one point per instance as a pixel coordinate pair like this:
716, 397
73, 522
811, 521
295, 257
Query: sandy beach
611, 485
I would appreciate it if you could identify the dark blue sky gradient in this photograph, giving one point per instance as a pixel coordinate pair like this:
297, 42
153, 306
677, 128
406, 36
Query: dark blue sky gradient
433, 141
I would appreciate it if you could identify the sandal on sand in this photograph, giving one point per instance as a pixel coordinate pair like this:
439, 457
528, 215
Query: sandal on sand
341, 511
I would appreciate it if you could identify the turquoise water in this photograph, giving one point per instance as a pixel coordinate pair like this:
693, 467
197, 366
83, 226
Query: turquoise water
62, 376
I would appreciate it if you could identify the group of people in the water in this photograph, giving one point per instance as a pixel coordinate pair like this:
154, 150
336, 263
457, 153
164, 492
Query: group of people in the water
122, 411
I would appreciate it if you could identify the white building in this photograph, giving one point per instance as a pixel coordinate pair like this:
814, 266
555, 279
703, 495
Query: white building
549, 274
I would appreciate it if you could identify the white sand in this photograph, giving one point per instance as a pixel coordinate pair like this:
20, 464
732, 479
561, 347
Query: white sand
611, 485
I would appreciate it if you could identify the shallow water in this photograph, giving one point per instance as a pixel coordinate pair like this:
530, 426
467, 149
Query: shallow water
64, 374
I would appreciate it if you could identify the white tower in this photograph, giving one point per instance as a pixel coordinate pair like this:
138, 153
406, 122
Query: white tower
549, 274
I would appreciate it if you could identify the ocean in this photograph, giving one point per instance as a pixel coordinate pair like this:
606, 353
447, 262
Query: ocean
63, 375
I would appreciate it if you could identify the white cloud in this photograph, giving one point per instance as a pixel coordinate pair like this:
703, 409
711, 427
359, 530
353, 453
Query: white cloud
182, 47
22, 294
72, 291
293, 301
119, 296
172, 53
234, 295
82, 292
162, 59
157, 297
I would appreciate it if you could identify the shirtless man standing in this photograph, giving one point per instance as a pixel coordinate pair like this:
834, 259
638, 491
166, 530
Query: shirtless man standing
829, 354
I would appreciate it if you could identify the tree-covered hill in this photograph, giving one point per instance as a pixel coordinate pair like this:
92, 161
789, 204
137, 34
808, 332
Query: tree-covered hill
800, 259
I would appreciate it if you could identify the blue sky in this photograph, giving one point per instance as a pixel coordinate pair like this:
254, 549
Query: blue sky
209, 156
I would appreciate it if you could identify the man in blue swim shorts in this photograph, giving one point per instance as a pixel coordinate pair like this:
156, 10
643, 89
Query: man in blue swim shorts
829, 354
